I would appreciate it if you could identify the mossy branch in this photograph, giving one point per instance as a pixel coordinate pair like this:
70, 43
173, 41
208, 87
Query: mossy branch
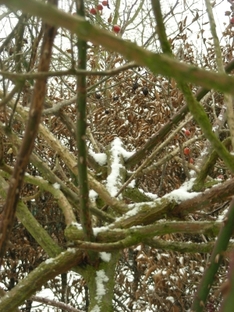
55, 191
32, 225
142, 233
39, 276
206, 168
202, 119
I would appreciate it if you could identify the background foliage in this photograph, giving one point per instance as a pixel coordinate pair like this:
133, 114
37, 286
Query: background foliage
139, 127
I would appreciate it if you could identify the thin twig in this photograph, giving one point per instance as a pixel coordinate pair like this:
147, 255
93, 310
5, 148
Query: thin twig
54, 303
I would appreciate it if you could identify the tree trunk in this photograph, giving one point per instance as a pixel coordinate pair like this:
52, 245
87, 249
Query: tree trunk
101, 281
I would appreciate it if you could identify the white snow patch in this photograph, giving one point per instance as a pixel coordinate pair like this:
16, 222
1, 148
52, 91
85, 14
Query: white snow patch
93, 195
73, 250
100, 158
100, 229
222, 215
136, 208
182, 193
129, 277
38, 177
46, 293
182, 271
138, 248
171, 299
56, 186
117, 151
101, 278
132, 184
150, 195
77, 225
105, 256
49, 261
113, 179
95, 309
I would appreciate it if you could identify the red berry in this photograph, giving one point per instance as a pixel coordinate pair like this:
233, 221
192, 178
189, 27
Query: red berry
232, 20
186, 151
93, 11
191, 161
105, 3
187, 132
99, 7
116, 29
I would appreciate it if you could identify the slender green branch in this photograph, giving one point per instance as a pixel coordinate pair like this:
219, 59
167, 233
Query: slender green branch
184, 247
157, 63
202, 119
161, 31
116, 12
218, 52
81, 124
206, 168
195, 108
228, 300
55, 191
215, 260
228, 99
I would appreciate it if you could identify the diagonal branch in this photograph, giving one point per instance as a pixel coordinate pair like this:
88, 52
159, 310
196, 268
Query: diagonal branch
215, 260
34, 281
159, 136
26, 148
157, 63
194, 106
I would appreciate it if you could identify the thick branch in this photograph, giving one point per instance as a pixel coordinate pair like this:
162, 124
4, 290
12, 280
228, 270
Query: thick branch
123, 238
216, 194
39, 276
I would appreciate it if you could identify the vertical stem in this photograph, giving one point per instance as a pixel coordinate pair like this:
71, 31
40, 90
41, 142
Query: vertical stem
101, 282
166, 48
228, 99
81, 136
